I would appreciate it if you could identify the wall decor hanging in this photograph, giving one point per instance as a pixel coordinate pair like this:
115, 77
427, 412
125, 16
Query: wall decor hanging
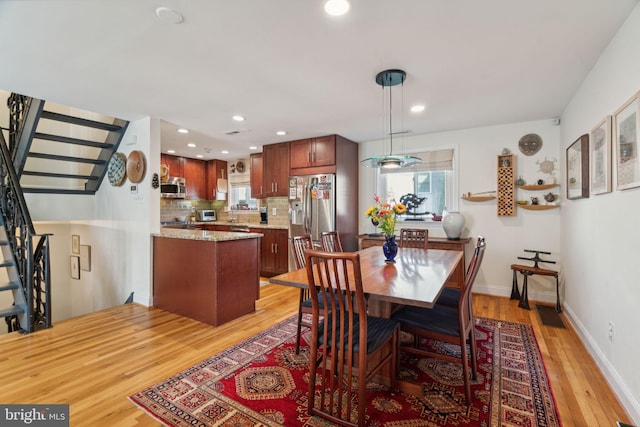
116, 170
530, 144
626, 124
578, 168
600, 157
136, 166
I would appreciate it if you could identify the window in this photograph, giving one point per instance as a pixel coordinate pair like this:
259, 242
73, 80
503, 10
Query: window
433, 182
240, 197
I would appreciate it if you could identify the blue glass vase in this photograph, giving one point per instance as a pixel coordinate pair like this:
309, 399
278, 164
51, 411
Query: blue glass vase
390, 248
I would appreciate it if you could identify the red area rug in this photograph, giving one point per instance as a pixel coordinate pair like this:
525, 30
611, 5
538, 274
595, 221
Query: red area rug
262, 382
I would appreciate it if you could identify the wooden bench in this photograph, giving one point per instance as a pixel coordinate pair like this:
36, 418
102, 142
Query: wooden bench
527, 271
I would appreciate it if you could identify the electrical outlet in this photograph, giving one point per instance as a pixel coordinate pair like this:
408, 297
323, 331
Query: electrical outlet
610, 331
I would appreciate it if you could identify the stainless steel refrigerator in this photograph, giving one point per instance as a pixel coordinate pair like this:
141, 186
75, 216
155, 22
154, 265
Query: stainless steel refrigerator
312, 207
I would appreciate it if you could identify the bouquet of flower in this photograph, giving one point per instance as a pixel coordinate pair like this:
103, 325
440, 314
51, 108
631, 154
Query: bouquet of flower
383, 215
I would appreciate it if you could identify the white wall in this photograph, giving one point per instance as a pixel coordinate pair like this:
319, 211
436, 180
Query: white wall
601, 233
116, 224
506, 236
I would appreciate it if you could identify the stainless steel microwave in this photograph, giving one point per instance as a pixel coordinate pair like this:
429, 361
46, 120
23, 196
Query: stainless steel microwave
174, 188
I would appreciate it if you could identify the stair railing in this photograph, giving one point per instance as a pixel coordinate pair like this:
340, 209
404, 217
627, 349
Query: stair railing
32, 260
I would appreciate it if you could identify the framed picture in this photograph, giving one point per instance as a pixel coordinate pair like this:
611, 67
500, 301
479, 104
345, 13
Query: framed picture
75, 244
578, 168
85, 257
625, 126
75, 267
600, 157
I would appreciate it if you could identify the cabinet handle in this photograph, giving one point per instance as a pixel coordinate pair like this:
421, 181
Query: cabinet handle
276, 187
275, 246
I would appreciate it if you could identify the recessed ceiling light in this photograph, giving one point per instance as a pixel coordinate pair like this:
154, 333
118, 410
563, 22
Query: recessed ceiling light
224, 152
183, 130
253, 147
191, 144
171, 151
168, 15
199, 156
417, 108
336, 7
238, 118
281, 133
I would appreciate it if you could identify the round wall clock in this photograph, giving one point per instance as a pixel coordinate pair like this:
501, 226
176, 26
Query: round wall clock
240, 166
116, 170
530, 144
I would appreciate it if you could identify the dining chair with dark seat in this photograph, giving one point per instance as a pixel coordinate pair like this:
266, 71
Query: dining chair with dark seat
346, 340
331, 241
441, 323
300, 244
414, 238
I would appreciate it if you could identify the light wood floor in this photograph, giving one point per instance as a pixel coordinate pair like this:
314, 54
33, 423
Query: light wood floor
94, 362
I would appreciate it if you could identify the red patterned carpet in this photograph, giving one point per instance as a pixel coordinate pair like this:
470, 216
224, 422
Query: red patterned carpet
262, 382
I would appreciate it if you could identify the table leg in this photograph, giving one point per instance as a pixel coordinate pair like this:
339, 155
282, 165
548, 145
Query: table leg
558, 306
515, 293
524, 300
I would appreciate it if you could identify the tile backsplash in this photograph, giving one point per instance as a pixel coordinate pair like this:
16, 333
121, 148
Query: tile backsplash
170, 209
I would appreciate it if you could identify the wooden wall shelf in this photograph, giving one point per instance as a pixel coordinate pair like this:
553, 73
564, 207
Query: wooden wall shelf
538, 207
478, 198
537, 187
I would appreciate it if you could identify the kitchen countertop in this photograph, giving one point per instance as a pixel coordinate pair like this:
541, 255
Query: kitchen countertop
212, 236
239, 223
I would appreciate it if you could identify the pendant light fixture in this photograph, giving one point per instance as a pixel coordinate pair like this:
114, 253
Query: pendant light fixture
388, 79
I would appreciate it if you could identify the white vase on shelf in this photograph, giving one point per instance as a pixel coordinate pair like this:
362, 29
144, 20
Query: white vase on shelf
453, 223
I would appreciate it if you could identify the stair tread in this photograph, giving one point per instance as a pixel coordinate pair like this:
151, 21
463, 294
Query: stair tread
65, 158
58, 175
70, 140
54, 190
80, 121
9, 286
11, 311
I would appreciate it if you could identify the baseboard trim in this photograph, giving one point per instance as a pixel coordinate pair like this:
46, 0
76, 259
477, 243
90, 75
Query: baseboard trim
620, 389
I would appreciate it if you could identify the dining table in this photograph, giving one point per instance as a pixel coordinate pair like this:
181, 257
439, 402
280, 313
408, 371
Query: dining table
417, 277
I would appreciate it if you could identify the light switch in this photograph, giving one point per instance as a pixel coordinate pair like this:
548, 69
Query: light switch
274, 212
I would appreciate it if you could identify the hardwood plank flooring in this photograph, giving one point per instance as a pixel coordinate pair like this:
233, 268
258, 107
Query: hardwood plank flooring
94, 362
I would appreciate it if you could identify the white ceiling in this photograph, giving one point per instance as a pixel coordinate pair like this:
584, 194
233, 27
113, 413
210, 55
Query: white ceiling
285, 64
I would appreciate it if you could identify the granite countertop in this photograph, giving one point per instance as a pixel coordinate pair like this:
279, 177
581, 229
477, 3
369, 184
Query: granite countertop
240, 223
213, 236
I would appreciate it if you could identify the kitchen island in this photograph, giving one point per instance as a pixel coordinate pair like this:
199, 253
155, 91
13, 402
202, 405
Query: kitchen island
209, 276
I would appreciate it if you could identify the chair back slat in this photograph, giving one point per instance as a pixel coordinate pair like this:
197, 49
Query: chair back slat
465, 303
331, 241
414, 238
299, 245
336, 278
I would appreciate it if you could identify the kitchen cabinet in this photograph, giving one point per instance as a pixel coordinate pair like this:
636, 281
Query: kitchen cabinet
274, 251
256, 176
275, 163
216, 169
174, 163
194, 177
312, 152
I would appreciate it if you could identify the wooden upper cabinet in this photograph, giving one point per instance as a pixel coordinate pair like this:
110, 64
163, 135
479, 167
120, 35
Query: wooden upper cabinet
257, 172
216, 169
275, 163
195, 178
312, 152
175, 164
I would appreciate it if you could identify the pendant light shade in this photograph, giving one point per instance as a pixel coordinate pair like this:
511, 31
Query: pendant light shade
389, 78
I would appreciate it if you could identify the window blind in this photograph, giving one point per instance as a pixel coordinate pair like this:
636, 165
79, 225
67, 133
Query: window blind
437, 160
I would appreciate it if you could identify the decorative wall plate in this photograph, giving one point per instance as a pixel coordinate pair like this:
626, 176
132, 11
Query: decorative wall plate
136, 166
116, 170
530, 144
240, 166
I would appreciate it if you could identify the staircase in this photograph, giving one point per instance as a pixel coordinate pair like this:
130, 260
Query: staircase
48, 152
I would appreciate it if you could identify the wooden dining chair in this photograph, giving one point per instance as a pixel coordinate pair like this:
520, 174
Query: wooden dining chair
331, 241
444, 324
449, 297
345, 342
300, 244
414, 238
